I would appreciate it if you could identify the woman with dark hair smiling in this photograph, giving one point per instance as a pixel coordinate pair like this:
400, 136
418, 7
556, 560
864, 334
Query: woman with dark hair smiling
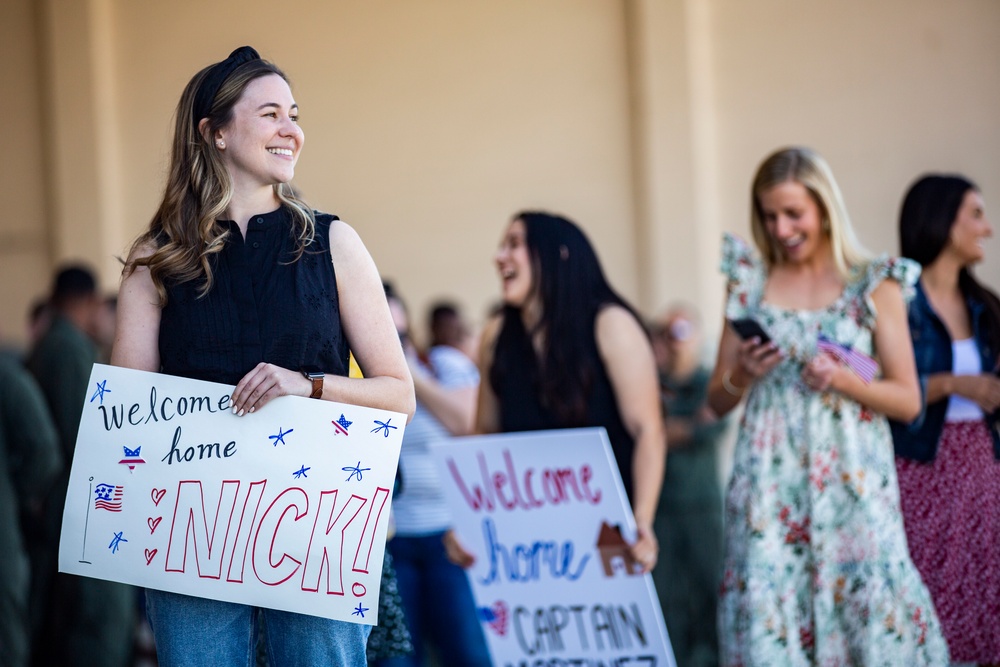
568, 352
238, 281
948, 459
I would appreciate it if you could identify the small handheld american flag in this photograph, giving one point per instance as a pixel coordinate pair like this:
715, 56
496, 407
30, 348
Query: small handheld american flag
863, 366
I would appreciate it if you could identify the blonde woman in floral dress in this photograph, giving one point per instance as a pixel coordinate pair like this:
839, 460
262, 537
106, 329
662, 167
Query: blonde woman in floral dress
816, 566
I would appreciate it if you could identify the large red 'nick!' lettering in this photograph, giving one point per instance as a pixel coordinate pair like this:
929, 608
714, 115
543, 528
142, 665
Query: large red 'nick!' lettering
271, 534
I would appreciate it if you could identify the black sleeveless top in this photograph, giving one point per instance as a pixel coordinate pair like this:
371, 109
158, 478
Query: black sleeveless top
263, 306
520, 402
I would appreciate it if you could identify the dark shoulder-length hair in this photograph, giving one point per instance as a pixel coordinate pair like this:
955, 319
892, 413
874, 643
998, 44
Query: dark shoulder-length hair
570, 284
925, 220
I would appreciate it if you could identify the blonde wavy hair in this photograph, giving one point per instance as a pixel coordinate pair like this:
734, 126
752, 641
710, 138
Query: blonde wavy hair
806, 167
185, 231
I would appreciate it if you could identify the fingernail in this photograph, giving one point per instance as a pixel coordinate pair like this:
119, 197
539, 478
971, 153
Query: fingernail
241, 413
252, 409
236, 410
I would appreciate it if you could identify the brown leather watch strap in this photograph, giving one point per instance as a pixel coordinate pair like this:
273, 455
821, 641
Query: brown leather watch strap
317, 391
315, 376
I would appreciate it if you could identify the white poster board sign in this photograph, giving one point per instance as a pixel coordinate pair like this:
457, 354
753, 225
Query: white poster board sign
545, 515
285, 508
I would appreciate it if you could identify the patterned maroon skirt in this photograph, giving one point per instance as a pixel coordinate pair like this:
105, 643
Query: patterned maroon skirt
951, 512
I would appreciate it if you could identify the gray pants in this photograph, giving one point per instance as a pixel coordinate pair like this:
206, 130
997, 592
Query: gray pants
687, 579
14, 630
88, 622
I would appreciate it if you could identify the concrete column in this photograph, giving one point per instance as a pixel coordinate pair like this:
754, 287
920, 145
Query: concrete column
24, 236
670, 77
82, 133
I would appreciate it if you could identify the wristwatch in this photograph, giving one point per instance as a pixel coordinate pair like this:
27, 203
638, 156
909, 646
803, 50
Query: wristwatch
315, 376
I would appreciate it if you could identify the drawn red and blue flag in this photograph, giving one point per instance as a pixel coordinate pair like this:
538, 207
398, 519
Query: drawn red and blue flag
108, 497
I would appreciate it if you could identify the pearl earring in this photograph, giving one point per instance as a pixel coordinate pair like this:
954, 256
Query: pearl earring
220, 143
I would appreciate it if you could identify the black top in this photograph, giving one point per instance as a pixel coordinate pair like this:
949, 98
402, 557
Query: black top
263, 306
520, 402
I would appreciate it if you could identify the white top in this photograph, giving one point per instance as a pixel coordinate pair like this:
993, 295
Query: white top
965, 361
420, 508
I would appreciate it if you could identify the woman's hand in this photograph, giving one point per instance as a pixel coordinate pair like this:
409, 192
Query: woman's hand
264, 382
896, 394
754, 360
645, 549
983, 389
819, 374
738, 365
455, 552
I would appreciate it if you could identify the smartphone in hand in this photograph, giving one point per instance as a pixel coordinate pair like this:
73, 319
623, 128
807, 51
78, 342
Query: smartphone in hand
749, 328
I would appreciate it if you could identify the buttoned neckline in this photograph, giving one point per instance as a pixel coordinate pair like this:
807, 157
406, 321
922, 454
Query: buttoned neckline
257, 223
267, 303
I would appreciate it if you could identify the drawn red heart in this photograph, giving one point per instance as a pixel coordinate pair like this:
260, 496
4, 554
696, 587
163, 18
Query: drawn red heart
157, 495
153, 523
150, 554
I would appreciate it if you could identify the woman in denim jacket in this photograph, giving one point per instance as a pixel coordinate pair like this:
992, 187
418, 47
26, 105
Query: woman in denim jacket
948, 459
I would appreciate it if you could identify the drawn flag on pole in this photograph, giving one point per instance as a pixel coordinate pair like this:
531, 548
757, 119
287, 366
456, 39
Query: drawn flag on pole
108, 497
863, 366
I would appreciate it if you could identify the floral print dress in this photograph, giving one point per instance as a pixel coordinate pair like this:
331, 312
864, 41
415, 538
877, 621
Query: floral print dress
816, 565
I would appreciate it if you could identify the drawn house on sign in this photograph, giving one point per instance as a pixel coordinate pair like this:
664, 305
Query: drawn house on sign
614, 550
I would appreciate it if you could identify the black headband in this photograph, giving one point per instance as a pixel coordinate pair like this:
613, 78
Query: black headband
214, 79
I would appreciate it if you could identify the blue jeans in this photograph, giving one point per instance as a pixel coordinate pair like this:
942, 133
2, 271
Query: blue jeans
192, 631
438, 602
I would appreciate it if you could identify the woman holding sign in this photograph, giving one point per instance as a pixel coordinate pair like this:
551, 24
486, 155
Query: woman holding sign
568, 352
238, 281
948, 459
816, 568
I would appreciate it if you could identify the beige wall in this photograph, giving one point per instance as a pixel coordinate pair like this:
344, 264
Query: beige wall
885, 91
429, 122
24, 200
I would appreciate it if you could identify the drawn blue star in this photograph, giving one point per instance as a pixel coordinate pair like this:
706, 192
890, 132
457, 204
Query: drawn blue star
354, 470
281, 436
359, 611
301, 472
116, 541
100, 391
383, 426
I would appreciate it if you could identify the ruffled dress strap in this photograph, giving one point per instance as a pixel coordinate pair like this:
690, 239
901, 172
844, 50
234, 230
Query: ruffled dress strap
904, 271
745, 276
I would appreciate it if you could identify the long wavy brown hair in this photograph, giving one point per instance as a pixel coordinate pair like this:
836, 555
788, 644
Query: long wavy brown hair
185, 231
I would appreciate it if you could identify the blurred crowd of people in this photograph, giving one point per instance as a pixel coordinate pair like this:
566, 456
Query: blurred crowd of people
49, 617
824, 549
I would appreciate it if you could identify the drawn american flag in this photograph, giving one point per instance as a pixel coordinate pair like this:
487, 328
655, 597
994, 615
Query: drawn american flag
108, 497
863, 366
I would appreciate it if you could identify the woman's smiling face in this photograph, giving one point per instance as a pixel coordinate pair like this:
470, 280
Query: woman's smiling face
514, 266
970, 230
793, 220
263, 139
